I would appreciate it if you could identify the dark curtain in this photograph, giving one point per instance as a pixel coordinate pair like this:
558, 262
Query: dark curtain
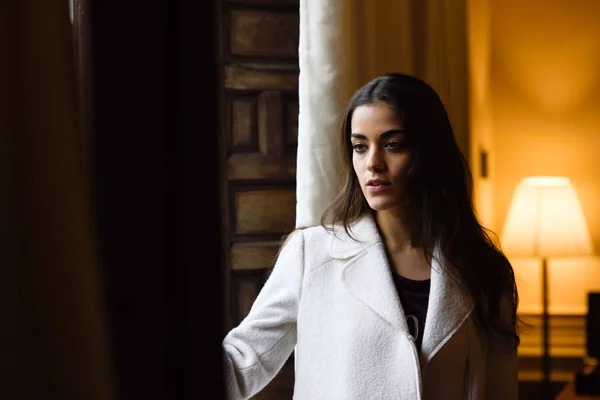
52, 320
156, 173
110, 250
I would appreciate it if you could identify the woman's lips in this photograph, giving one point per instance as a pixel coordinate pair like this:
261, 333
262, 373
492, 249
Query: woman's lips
379, 187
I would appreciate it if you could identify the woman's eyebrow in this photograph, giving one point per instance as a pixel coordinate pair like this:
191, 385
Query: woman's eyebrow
382, 136
390, 133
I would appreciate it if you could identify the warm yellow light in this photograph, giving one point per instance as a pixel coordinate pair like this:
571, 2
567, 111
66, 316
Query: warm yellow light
546, 181
545, 220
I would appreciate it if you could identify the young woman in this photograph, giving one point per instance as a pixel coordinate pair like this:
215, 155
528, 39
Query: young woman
400, 294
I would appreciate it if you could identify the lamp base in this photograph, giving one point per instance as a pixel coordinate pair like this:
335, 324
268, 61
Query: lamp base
546, 366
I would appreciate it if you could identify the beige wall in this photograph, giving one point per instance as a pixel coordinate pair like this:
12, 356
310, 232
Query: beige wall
545, 106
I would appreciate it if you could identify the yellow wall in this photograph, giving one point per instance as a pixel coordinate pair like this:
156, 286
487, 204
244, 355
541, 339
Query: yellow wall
545, 110
480, 115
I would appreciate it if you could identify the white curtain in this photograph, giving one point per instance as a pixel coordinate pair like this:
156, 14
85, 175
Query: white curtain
344, 44
321, 100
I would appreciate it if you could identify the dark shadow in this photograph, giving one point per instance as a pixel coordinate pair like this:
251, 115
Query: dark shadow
154, 174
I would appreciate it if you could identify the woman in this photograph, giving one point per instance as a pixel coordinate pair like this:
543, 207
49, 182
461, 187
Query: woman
400, 294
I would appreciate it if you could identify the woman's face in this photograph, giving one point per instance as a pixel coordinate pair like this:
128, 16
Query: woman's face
380, 156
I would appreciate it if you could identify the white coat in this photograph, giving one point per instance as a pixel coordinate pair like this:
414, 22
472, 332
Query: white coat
333, 300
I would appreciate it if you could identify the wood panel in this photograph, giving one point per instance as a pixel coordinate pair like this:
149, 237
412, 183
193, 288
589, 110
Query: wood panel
243, 123
265, 211
291, 129
247, 287
264, 33
254, 255
259, 69
270, 123
243, 77
257, 166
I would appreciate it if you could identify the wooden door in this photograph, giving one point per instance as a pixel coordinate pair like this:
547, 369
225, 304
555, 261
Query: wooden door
259, 67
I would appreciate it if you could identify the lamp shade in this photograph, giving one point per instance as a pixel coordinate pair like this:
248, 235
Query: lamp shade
545, 220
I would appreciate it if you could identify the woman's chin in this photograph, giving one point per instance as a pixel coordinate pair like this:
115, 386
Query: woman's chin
382, 204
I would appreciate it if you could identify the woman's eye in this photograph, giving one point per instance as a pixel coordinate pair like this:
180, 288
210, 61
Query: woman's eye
359, 147
394, 145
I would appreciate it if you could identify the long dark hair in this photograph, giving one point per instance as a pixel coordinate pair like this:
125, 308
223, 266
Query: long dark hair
438, 204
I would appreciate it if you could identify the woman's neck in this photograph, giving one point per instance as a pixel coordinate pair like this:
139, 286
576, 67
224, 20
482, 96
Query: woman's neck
393, 230
404, 259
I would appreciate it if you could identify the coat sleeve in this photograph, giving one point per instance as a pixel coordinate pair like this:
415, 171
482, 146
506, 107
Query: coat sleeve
502, 381
257, 348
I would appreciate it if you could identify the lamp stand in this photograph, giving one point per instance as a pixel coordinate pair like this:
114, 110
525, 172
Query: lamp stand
545, 333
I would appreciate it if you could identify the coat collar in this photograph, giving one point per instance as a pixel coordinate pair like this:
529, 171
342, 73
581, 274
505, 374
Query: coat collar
364, 234
367, 276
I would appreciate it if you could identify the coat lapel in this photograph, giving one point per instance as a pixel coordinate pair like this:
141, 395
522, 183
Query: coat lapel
368, 278
367, 275
447, 310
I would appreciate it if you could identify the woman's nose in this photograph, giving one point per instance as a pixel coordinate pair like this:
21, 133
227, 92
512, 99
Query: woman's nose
375, 161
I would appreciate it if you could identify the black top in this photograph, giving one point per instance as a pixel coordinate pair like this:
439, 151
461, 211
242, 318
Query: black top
414, 297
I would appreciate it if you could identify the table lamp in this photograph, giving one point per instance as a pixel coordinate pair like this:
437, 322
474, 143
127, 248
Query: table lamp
545, 220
